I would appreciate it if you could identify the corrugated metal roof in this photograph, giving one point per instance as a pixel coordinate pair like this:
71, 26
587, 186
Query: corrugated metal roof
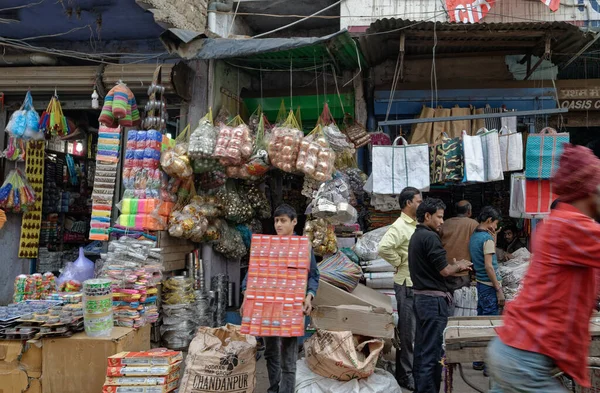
382, 40
272, 53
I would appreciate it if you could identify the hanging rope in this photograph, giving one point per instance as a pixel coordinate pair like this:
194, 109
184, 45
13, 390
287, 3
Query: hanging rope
291, 81
262, 103
433, 70
337, 89
317, 79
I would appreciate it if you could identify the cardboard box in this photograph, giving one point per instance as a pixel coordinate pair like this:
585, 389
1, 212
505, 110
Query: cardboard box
78, 364
17, 374
330, 295
361, 320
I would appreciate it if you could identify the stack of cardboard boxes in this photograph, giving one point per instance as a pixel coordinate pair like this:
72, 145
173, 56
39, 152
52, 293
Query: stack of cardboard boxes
364, 311
276, 286
143, 372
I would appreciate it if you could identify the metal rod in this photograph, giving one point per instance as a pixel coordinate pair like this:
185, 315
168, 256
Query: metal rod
472, 117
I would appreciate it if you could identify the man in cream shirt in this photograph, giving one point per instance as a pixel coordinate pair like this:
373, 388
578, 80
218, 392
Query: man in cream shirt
394, 249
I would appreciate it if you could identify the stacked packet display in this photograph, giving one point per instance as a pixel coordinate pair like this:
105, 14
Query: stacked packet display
276, 286
146, 200
107, 159
143, 372
135, 268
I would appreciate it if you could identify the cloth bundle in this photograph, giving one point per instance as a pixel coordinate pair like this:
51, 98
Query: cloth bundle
120, 108
465, 302
340, 271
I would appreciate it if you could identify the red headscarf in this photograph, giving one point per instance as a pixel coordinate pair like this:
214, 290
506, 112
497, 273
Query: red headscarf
578, 175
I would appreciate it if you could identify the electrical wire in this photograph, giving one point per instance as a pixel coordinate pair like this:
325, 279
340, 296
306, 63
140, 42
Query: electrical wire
233, 19
57, 34
21, 6
298, 21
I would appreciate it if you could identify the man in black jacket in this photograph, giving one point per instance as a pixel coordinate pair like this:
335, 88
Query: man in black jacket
428, 269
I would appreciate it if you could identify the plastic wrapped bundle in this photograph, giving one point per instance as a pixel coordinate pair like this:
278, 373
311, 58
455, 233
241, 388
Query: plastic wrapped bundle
258, 201
234, 144
367, 246
315, 157
284, 144
231, 243
322, 237
513, 272
203, 139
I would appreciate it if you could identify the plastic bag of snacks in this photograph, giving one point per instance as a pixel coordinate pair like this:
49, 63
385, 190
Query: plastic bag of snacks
315, 157
16, 194
258, 201
337, 140
25, 123
355, 132
234, 144
284, 144
258, 164
321, 236
203, 139
175, 161
188, 222
237, 209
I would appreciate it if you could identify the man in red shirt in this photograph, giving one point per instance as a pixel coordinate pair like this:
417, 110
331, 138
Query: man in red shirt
547, 325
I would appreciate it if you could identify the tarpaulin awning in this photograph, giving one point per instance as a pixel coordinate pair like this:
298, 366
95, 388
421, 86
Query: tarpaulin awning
338, 49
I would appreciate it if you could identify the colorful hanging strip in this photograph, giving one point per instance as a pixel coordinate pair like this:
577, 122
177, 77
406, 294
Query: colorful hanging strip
470, 11
32, 220
107, 159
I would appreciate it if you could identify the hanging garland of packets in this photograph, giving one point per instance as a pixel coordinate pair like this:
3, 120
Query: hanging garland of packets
107, 159
53, 122
32, 220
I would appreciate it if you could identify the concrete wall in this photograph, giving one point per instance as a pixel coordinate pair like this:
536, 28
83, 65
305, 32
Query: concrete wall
356, 13
491, 68
231, 78
182, 14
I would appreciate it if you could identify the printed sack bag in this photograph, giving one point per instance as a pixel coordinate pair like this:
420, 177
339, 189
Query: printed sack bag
342, 356
220, 360
543, 153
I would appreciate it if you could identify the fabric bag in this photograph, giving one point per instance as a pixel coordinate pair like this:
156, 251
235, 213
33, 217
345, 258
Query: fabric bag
340, 271
474, 166
422, 132
220, 360
397, 167
446, 160
538, 196
543, 153
458, 126
482, 156
491, 155
511, 150
342, 356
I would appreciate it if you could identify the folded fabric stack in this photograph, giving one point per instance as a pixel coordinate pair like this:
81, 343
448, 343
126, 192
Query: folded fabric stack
120, 108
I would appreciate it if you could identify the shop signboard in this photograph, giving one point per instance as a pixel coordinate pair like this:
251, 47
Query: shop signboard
584, 98
468, 11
